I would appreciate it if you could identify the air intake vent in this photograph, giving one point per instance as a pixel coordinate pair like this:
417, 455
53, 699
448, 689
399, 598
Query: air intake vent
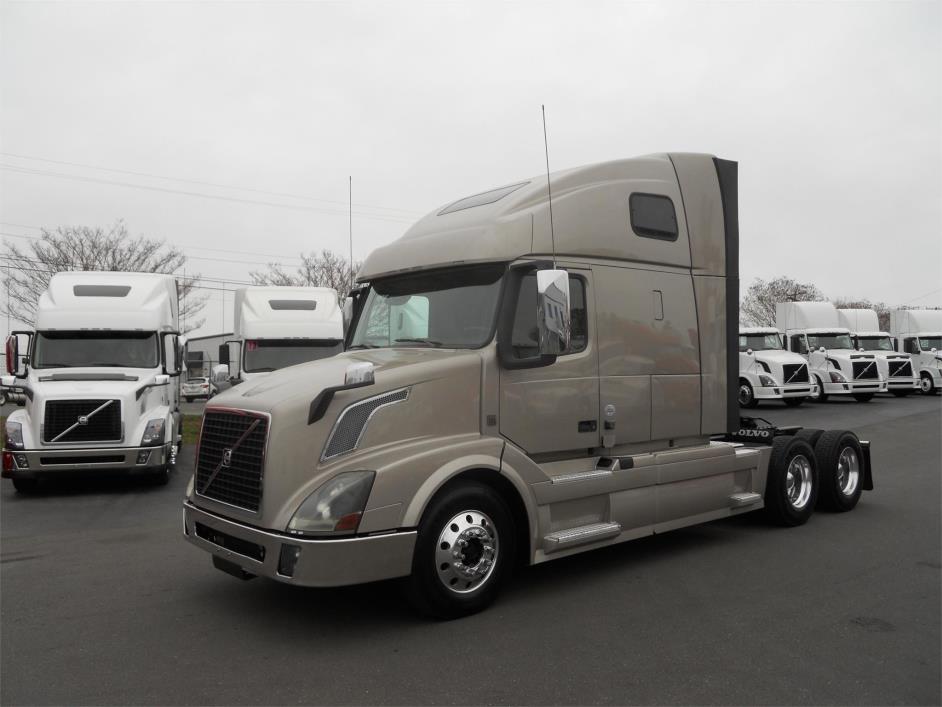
864, 370
232, 457
82, 421
900, 368
794, 373
350, 426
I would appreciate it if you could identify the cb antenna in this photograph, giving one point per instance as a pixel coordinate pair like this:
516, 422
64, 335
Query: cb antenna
350, 195
549, 190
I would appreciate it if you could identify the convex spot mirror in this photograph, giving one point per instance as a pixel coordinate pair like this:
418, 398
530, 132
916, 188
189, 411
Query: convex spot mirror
555, 327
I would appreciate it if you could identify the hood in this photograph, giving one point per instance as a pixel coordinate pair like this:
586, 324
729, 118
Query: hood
778, 356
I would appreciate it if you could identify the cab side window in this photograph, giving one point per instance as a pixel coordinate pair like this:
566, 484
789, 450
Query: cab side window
525, 340
909, 346
798, 344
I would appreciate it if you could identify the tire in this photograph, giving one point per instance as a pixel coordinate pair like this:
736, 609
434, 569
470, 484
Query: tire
747, 397
926, 384
791, 488
822, 397
900, 393
26, 486
794, 402
840, 470
863, 397
437, 586
810, 435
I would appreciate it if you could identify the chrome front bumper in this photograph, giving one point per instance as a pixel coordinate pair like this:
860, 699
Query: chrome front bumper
316, 563
35, 463
903, 384
794, 390
857, 386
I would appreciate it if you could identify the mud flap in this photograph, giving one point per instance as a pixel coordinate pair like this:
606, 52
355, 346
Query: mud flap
867, 470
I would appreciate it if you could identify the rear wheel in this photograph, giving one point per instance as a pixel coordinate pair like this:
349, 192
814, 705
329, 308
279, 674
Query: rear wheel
794, 402
900, 393
463, 552
792, 485
25, 486
747, 397
926, 384
840, 469
863, 397
821, 397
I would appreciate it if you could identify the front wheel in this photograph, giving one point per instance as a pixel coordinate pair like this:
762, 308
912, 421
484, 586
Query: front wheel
794, 402
821, 397
791, 488
463, 552
863, 397
747, 397
926, 384
26, 486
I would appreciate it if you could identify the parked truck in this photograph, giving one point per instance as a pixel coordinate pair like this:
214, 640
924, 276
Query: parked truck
918, 332
100, 378
276, 327
768, 372
560, 383
895, 367
813, 330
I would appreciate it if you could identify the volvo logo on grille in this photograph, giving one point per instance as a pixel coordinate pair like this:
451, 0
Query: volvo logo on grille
227, 457
83, 419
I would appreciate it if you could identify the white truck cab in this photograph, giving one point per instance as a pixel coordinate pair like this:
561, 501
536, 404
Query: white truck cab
100, 378
768, 372
895, 367
918, 332
277, 327
813, 330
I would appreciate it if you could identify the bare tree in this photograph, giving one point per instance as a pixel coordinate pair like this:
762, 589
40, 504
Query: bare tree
757, 308
881, 308
74, 248
324, 269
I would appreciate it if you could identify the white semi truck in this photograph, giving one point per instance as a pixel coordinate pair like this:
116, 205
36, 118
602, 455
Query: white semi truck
276, 327
918, 332
813, 330
895, 367
100, 378
768, 372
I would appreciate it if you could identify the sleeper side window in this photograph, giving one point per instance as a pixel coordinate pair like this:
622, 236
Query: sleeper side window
653, 216
525, 335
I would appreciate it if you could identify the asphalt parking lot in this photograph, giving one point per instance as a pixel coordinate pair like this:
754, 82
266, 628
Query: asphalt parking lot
103, 602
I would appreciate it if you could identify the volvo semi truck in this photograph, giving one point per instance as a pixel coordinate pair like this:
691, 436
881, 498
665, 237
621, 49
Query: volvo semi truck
813, 330
918, 332
276, 327
100, 380
895, 367
768, 372
517, 387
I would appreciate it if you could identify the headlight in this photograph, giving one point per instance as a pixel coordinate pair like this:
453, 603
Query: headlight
335, 507
767, 380
14, 435
837, 377
153, 433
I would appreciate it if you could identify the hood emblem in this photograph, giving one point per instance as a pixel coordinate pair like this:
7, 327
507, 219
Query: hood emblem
227, 458
83, 419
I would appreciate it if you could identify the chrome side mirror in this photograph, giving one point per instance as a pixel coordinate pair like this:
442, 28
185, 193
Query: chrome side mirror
749, 352
161, 379
552, 296
821, 349
359, 374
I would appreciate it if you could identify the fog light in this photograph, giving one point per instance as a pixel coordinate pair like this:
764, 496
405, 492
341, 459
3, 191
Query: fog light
288, 559
143, 456
21, 461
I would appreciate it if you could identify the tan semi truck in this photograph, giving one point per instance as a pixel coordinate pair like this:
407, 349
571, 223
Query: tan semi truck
518, 386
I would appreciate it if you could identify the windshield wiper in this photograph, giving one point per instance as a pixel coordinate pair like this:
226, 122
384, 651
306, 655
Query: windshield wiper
430, 342
269, 369
362, 346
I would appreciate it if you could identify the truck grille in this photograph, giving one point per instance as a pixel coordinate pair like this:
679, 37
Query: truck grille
82, 421
900, 368
865, 369
232, 457
794, 373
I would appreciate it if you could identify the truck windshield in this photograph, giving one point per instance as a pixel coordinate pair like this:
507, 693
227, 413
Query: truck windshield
73, 349
874, 343
927, 343
263, 355
829, 341
451, 308
759, 342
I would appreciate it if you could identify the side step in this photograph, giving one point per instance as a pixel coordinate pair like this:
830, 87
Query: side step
738, 500
563, 539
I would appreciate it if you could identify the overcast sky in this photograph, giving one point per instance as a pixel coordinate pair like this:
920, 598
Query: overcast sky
833, 110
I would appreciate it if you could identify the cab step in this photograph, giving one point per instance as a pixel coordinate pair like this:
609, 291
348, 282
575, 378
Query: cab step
738, 500
563, 539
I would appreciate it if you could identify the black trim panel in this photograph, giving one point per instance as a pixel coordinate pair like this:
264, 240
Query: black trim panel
727, 172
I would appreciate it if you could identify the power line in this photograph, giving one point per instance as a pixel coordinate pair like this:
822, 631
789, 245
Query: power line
207, 184
181, 192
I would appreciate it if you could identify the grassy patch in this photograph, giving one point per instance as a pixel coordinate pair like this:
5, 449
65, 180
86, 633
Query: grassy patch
191, 428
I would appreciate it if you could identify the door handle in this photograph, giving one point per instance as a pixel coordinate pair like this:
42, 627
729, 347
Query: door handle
588, 425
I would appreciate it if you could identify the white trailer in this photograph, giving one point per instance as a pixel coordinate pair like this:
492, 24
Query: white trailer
768, 372
100, 378
895, 367
277, 327
918, 332
813, 330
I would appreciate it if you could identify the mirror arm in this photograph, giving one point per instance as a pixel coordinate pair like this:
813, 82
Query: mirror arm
320, 404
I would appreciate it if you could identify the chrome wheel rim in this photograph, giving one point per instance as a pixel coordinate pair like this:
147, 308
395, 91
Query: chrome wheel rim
745, 394
798, 482
925, 383
848, 471
467, 551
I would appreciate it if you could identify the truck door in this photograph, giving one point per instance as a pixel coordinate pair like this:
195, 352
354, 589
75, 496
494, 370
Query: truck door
554, 408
